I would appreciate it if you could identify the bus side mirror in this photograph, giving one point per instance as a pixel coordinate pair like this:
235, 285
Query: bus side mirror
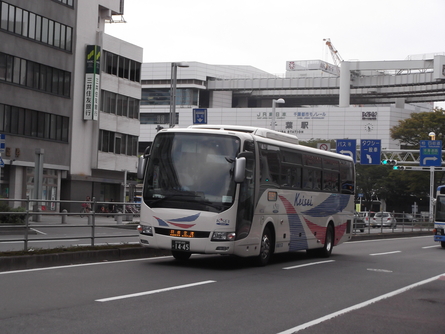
141, 167
142, 160
240, 170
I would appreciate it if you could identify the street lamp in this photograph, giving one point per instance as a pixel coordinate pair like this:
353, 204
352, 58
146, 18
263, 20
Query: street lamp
274, 102
174, 74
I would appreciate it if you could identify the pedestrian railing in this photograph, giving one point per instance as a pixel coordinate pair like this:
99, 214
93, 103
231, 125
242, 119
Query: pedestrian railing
19, 218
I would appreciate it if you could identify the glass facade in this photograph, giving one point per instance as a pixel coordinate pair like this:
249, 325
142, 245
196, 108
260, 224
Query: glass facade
161, 96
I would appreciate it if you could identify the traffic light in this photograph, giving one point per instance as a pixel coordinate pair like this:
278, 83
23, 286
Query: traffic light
389, 162
399, 168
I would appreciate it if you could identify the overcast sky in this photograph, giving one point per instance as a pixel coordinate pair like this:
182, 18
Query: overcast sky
266, 34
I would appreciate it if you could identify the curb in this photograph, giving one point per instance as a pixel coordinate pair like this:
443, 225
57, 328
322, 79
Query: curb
21, 262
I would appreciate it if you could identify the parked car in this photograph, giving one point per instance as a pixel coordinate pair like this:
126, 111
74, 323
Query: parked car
359, 223
367, 217
405, 218
384, 219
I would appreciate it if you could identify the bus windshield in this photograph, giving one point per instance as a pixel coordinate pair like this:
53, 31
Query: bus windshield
191, 171
440, 209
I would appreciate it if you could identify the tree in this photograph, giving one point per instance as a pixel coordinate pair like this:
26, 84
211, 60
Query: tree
412, 130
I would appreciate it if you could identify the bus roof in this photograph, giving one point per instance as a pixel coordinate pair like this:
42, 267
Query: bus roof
261, 132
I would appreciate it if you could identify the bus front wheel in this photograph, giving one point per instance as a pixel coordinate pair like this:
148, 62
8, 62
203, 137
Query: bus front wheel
328, 243
265, 248
181, 256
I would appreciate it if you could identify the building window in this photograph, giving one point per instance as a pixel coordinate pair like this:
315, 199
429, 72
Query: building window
120, 105
122, 67
32, 123
118, 143
41, 29
33, 75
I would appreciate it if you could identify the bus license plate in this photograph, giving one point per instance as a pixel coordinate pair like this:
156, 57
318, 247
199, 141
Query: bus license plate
181, 245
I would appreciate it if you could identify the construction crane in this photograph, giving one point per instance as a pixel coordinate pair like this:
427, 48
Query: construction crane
334, 53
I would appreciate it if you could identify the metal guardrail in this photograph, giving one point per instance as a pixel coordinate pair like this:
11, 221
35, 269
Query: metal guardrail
32, 210
418, 223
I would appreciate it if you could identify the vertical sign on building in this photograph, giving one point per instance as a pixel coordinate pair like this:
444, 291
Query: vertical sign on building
92, 83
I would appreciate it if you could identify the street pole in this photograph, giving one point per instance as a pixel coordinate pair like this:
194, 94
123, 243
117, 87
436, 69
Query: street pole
274, 102
174, 75
431, 194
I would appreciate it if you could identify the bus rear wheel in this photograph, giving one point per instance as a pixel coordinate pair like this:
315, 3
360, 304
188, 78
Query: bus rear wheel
266, 249
181, 256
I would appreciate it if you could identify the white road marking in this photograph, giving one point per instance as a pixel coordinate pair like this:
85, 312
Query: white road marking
153, 291
308, 264
40, 241
386, 253
37, 231
380, 270
435, 246
82, 265
359, 306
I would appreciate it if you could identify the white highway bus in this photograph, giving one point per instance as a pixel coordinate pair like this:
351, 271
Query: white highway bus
243, 191
439, 217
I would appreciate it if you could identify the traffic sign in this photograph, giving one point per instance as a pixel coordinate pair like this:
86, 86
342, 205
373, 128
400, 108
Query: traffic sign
2, 164
430, 153
347, 147
324, 146
370, 151
200, 116
2, 143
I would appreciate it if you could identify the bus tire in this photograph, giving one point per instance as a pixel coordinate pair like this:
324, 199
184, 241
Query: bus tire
181, 256
442, 243
328, 242
266, 249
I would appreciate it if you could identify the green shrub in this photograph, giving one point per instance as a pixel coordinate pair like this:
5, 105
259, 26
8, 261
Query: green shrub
13, 217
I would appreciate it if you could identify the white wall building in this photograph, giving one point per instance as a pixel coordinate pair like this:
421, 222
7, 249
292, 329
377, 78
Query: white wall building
242, 95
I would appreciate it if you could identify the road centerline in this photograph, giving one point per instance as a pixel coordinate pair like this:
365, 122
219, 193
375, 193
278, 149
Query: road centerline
138, 294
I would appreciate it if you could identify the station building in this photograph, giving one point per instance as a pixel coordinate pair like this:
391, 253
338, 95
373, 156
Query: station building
69, 101
360, 100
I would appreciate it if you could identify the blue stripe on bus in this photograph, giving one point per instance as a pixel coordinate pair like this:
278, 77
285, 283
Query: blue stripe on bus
332, 205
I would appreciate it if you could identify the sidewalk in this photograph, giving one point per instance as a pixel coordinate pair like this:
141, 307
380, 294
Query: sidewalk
76, 219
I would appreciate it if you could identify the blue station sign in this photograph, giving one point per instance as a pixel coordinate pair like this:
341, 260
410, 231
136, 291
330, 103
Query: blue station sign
430, 153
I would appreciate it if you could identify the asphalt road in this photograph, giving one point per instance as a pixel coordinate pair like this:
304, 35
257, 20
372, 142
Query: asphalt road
375, 286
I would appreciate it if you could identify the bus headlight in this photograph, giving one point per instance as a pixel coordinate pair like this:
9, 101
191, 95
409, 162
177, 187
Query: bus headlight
223, 236
145, 229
